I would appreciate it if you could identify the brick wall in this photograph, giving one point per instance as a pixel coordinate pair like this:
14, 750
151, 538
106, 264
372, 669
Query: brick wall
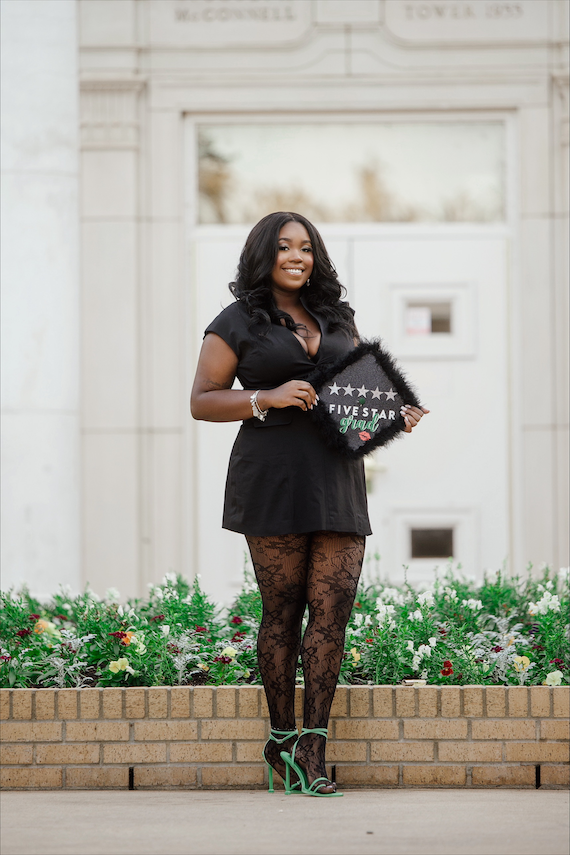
381, 736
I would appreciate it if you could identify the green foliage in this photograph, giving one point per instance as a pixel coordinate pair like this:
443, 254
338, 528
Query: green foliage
507, 630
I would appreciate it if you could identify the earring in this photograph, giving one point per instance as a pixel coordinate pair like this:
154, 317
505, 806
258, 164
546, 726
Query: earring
308, 282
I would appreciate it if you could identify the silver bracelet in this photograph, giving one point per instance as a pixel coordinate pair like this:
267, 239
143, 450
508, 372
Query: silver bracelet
257, 411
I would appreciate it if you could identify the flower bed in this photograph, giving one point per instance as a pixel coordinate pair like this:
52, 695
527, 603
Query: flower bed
506, 631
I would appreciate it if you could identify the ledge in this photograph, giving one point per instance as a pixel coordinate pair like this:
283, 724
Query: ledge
211, 738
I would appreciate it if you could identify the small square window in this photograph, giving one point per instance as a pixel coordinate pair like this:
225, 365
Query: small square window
431, 542
427, 318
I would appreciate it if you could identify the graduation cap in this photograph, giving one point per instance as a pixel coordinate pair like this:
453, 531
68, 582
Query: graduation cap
360, 396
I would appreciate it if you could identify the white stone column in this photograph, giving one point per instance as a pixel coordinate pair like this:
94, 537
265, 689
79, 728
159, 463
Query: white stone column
40, 302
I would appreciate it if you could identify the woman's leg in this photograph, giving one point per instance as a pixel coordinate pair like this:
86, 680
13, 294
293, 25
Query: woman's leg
280, 564
335, 562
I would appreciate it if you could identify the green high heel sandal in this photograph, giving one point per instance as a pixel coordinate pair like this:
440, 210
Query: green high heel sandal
290, 763
281, 736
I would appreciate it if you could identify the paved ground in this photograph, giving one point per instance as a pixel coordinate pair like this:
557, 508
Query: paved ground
379, 822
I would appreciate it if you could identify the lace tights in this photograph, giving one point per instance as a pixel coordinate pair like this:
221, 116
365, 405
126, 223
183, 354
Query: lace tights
321, 570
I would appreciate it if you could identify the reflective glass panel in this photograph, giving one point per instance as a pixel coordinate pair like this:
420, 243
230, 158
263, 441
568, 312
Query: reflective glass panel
398, 172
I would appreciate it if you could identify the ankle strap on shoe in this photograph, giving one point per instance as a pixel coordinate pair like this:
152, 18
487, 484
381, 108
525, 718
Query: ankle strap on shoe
283, 735
320, 731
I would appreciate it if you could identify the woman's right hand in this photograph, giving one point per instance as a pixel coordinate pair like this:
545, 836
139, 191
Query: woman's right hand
294, 393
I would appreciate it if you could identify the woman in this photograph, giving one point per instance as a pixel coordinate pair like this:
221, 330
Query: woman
301, 506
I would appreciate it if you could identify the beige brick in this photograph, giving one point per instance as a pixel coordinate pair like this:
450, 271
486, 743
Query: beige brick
367, 776
366, 729
22, 703
359, 700
97, 778
450, 701
19, 755
537, 752
401, 752
53, 755
203, 702
31, 731
518, 701
540, 701
382, 701
135, 703
157, 702
232, 776
97, 731
131, 753
435, 729
226, 702
67, 702
248, 700
299, 700
89, 702
179, 702
233, 729
434, 776
263, 708
339, 707
113, 703
405, 701
503, 776
203, 752
146, 731
32, 778
495, 698
427, 701
554, 730
346, 752
249, 752
470, 752
503, 729
164, 776
45, 704
473, 701
4, 704
555, 776
561, 701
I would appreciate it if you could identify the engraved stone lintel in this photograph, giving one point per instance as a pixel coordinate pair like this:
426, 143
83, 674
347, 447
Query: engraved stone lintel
109, 113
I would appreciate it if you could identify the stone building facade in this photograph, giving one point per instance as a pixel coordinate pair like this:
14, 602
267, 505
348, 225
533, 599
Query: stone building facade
111, 481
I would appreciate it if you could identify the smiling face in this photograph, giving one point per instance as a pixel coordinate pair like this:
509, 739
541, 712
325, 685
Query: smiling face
294, 262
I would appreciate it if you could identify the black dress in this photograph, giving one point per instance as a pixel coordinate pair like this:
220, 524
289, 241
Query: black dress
282, 478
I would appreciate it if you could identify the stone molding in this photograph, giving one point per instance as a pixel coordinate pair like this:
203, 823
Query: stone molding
109, 114
211, 738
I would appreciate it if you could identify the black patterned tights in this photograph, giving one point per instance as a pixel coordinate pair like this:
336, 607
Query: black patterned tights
321, 570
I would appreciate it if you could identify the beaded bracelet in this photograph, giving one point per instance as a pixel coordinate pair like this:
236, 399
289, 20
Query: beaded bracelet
257, 411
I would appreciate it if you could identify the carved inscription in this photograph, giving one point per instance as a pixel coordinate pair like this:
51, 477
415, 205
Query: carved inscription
235, 10
462, 11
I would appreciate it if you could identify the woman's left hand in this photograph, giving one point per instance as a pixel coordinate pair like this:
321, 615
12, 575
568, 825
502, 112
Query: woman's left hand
412, 416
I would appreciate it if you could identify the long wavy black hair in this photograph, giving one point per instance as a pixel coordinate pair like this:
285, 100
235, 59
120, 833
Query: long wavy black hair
252, 286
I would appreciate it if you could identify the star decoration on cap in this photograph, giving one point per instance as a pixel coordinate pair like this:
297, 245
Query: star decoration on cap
376, 393
390, 395
334, 389
362, 391
348, 390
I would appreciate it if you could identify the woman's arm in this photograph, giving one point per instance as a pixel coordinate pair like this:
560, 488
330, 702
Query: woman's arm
214, 400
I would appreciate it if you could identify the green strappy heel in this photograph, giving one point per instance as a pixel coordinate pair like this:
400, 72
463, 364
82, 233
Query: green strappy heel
281, 736
290, 763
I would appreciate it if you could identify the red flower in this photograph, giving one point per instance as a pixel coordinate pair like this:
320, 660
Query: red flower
64, 617
238, 636
157, 617
236, 620
497, 649
24, 632
369, 641
119, 634
200, 628
442, 631
447, 669
225, 660
364, 435
34, 617
5, 658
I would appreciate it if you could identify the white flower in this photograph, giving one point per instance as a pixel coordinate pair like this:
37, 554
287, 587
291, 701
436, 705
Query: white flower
367, 620
553, 679
425, 650
548, 602
112, 594
165, 629
358, 619
474, 605
91, 595
385, 613
392, 595
410, 645
417, 615
450, 593
169, 578
426, 599
432, 640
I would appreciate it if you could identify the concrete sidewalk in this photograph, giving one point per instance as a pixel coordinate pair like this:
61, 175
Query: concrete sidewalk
364, 822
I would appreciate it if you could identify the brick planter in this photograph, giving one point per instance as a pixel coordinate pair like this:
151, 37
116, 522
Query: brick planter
198, 738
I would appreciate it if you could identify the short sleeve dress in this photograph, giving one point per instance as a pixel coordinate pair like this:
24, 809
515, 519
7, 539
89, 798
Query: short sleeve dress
282, 478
